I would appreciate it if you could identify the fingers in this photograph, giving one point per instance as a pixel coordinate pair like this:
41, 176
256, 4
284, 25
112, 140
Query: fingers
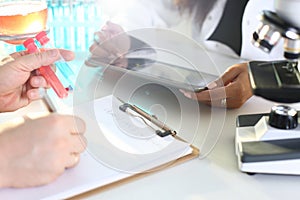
99, 52
31, 62
112, 28
34, 94
121, 62
78, 125
207, 96
69, 127
67, 55
6, 60
103, 46
234, 95
231, 90
79, 142
15, 55
38, 81
72, 160
74, 141
76, 131
229, 75
110, 43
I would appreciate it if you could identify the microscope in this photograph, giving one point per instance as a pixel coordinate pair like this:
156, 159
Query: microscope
269, 143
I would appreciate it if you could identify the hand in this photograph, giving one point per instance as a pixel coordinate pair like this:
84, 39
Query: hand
231, 90
18, 82
110, 44
38, 151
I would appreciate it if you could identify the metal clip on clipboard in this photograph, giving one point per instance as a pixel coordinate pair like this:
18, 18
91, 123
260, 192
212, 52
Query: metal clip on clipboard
165, 130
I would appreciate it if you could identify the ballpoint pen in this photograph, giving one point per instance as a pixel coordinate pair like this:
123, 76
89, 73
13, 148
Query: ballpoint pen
47, 100
166, 130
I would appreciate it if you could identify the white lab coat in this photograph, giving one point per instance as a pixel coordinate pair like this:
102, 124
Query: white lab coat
135, 14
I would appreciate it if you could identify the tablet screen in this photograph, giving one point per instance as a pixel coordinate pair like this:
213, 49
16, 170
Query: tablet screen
142, 62
170, 74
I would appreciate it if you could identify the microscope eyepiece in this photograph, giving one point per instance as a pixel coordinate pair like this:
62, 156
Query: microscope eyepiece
270, 31
261, 41
267, 34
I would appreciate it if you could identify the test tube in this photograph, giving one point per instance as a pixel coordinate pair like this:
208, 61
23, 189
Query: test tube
61, 64
46, 71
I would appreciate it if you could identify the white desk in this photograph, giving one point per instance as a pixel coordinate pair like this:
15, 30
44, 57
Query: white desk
215, 176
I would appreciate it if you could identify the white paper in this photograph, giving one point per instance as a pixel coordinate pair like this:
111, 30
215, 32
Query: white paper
92, 172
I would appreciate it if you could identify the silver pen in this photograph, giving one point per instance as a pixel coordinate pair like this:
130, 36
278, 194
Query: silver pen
149, 117
47, 101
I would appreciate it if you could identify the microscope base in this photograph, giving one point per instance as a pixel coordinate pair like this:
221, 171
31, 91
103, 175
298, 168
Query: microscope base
285, 167
264, 149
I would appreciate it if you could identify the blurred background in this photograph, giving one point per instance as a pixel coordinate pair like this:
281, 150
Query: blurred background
72, 23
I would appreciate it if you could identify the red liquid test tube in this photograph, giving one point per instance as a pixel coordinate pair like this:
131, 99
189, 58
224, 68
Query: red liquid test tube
60, 64
46, 71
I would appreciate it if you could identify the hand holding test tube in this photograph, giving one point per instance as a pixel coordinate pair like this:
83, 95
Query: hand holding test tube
46, 71
61, 64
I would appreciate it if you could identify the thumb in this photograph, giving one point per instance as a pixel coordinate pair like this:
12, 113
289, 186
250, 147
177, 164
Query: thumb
229, 75
31, 62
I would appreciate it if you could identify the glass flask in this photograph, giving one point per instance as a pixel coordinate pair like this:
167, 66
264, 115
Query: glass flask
22, 19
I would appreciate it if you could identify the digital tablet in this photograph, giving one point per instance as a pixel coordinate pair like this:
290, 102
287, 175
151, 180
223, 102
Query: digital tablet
142, 63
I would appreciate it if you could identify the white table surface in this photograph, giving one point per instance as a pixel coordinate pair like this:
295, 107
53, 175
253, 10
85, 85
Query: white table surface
214, 176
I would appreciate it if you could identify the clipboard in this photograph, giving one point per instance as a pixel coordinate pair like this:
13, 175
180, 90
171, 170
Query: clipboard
84, 180
194, 153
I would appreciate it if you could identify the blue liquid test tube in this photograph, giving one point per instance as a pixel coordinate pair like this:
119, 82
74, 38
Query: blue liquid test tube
61, 64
